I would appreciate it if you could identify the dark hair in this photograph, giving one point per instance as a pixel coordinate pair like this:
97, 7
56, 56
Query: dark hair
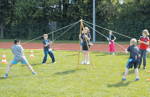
16, 41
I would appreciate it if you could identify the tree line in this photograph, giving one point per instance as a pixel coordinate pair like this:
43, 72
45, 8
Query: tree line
27, 19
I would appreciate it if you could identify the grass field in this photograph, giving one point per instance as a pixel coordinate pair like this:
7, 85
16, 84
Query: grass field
63, 79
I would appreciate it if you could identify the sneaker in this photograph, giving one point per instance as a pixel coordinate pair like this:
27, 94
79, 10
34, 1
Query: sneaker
144, 68
87, 62
6, 75
123, 79
34, 73
54, 62
137, 79
83, 62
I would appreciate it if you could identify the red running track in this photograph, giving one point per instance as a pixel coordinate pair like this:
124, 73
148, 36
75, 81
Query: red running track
65, 46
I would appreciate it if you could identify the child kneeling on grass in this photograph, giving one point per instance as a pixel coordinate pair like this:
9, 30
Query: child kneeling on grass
19, 56
133, 59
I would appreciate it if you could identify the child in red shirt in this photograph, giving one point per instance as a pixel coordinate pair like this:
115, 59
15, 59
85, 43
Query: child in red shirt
144, 43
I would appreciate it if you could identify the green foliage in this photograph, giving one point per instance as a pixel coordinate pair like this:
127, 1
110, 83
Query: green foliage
30, 18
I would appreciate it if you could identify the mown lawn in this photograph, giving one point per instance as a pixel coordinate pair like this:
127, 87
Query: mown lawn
63, 79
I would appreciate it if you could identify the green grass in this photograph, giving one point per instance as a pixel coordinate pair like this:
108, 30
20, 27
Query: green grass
63, 79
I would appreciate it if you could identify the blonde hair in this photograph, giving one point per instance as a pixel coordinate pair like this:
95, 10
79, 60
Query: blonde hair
87, 29
146, 32
133, 41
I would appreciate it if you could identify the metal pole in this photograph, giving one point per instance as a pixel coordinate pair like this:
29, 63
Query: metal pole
94, 19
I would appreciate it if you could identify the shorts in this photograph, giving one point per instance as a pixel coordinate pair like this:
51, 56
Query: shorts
23, 60
85, 47
132, 62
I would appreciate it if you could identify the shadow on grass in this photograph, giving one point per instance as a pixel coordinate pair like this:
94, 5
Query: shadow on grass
120, 84
68, 72
1, 78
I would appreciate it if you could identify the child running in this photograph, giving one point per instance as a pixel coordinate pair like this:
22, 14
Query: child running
144, 43
133, 59
85, 43
47, 47
111, 40
19, 56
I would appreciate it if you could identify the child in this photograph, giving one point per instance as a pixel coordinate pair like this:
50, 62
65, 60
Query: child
133, 59
144, 43
18, 53
47, 46
111, 40
85, 39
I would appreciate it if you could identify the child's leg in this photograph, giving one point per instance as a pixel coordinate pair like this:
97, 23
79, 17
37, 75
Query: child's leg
144, 59
141, 56
8, 67
136, 73
52, 56
84, 57
87, 57
45, 56
25, 61
126, 73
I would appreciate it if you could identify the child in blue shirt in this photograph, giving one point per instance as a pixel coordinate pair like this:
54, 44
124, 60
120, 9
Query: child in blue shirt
133, 60
19, 56
47, 47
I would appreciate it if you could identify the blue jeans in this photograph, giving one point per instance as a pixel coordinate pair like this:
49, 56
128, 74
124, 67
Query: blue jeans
50, 53
143, 54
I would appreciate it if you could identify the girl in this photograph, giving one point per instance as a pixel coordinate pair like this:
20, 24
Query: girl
111, 40
85, 43
144, 43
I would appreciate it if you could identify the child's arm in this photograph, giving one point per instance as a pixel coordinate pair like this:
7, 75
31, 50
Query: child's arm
44, 44
127, 50
115, 38
146, 43
82, 25
22, 50
51, 44
87, 38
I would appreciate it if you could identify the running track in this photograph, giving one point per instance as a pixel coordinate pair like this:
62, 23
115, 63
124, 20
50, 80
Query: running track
65, 46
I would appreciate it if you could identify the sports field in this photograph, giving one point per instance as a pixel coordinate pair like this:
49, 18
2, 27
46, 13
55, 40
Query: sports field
64, 79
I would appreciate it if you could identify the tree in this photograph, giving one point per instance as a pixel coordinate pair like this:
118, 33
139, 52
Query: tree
5, 14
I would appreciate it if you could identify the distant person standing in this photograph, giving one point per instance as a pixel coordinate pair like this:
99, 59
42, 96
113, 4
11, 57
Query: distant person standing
47, 47
111, 38
144, 43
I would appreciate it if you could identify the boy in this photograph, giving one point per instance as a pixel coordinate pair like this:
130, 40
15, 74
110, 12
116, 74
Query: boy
133, 59
47, 46
144, 43
18, 53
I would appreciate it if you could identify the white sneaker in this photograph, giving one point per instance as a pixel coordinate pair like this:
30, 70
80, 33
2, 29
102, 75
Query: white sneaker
83, 62
87, 62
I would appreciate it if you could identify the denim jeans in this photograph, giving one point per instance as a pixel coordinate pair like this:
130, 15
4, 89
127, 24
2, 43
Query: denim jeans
143, 54
50, 53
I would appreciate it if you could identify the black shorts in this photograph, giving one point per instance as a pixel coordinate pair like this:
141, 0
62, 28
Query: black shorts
85, 47
132, 62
